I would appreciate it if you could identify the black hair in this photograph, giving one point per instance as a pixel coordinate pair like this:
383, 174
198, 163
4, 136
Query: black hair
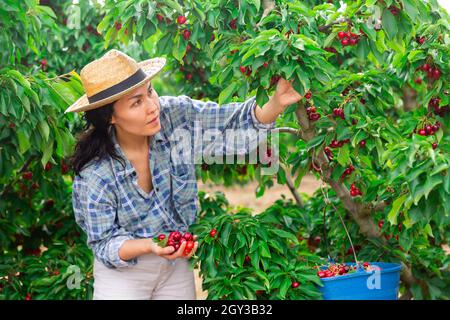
96, 138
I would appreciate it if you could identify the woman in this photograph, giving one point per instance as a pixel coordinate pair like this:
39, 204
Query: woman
127, 186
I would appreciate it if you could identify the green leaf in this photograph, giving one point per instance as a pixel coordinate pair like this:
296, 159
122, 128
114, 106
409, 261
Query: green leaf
389, 23
44, 130
285, 285
227, 93
411, 9
314, 142
261, 97
264, 250
343, 155
24, 141
225, 234
179, 48
393, 213
174, 5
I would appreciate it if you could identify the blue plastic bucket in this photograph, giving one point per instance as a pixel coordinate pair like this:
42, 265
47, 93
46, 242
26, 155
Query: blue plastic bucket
382, 284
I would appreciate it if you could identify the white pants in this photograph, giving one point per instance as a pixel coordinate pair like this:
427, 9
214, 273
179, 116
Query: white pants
152, 278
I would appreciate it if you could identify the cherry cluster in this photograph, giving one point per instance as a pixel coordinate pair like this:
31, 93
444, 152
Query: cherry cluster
245, 70
338, 144
354, 191
340, 269
432, 71
338, 112
433, 104
429, 130
312, 115
348, 171
348, 38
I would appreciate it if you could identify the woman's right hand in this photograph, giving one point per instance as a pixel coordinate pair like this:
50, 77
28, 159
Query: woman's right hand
169, 252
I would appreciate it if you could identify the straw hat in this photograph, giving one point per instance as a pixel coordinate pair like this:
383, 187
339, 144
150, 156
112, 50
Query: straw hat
115, 74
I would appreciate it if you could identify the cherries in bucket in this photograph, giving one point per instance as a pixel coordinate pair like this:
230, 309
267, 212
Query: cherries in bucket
175, 239
340, 269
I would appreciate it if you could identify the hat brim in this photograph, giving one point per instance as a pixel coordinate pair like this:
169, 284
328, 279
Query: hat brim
151, 67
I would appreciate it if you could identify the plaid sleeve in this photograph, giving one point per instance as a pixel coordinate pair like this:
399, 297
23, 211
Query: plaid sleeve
94, 209
235, 115
213, 116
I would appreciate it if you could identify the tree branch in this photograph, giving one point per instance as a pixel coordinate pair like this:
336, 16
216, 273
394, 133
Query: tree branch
287, 130
294, 192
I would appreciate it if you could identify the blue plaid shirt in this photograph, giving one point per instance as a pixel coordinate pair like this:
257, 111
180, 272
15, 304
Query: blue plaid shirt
110, 206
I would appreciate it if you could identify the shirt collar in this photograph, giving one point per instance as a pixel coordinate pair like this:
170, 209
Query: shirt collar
122, 171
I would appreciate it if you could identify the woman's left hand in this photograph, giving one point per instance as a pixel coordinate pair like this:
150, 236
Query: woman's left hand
285, 94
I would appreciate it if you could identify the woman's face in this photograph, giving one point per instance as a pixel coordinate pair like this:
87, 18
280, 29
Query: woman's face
138, 112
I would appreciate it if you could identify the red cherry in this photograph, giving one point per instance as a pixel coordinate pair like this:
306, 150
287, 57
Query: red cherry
188, 236
317, 240
247, 258
418, 80
434, 145
188, 76
426, 67
380, 224
189, 247
181, 19
321, 274
27, 175
422, 132
186, 34
311, 109
118, 26
344, 42
295, 284
353, 41
28, 297
213, 233
64, 168
243, 69
421, 40
353, 193
436, 74
49, 203
341, 35
233, 24
308, 95
160, 17
362, 143
327, 150
176, 236
161, 237
43, 62
265, 64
